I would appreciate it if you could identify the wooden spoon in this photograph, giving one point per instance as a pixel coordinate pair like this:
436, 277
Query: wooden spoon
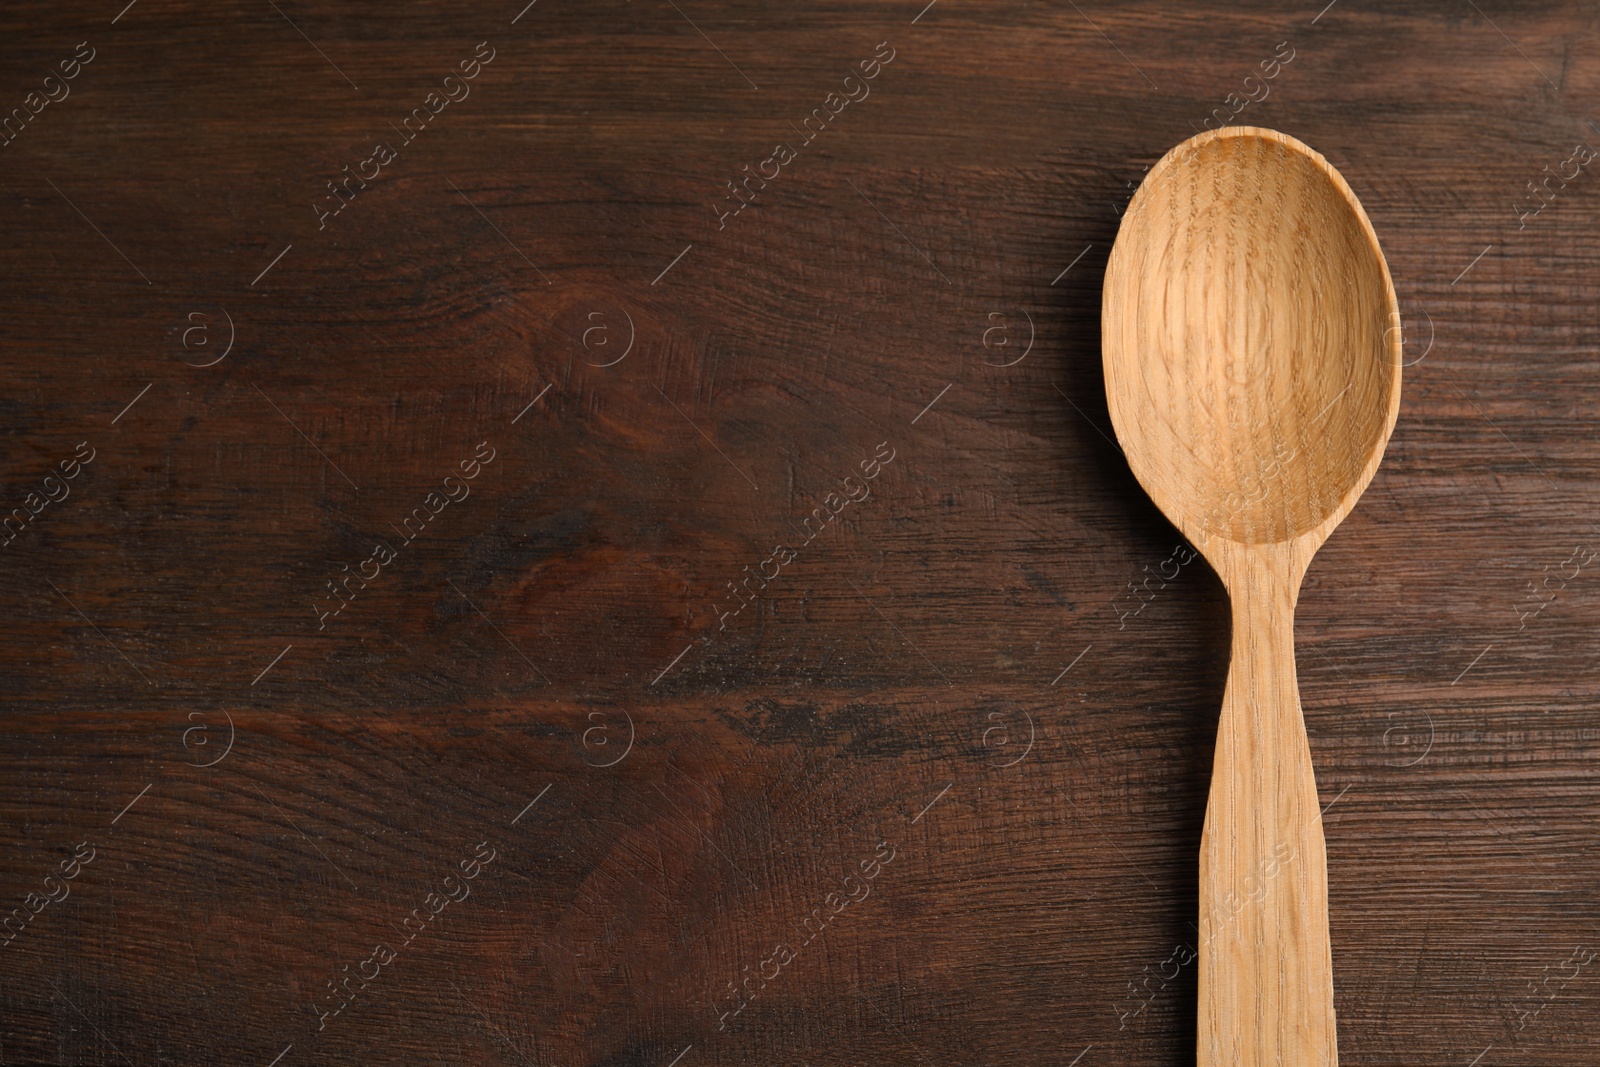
1252, 363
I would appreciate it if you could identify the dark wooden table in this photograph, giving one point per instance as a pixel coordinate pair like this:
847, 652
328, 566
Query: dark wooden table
482, 590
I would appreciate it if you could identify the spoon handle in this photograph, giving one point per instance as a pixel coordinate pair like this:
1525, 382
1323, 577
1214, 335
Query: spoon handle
1266, 969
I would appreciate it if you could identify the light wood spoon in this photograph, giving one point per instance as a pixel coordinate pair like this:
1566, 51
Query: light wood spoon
1252, 361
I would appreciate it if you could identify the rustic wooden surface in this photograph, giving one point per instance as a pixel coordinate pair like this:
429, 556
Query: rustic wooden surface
852, 747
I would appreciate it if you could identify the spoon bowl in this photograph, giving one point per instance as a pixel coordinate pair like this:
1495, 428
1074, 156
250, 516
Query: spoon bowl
1250, 339
1252, 361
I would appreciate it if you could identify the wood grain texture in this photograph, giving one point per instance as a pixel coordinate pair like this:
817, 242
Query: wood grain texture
1252, 348
881, 688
